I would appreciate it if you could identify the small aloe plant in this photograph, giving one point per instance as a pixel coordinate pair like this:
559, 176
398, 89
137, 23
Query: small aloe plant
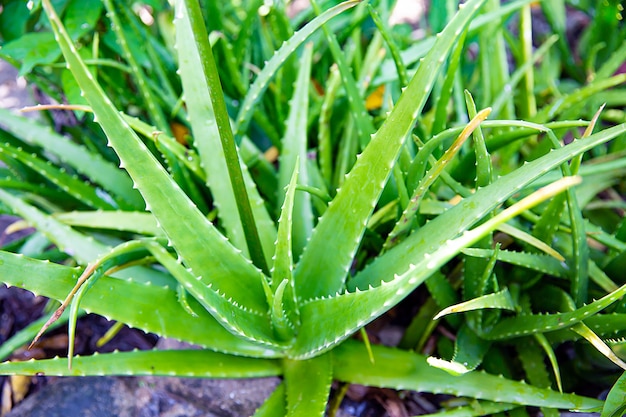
266, 298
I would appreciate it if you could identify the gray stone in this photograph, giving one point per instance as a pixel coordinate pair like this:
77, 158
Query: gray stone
146, 397
88, 397
14, 93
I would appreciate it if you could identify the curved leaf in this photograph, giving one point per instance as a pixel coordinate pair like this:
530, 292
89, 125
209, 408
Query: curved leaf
349, 211
407, 370
201, 246
151, 308
184, 363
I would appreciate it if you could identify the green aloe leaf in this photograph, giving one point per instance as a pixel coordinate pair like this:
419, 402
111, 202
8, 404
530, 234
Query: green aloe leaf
533, 363
93, 166
407, 370
193, 27
500, 300
285, 314
236, 318
308, 385
537, 262
316, 336
364, 184
475, 408
598, 343
70, 184
615, 404
187, 363
127, 221
207, 141
202, 248
459, 218
528, 324
275, 405
151, 308
82, 248
294, 148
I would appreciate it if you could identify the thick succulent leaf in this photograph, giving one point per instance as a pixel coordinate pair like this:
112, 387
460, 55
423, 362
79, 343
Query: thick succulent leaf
615, 404
127, 221
285, 314
151, 308
294, 148
548, 350
207, 142
459, 218
325, 148
183, 363
283, 255
349, 211
498, 300
308, 385
598, 343
528, 324
530, 240
475, 408
275, 405
532, 359
407, 370
82, 248
190, 11
75, 187
549, 265
606, 325
93, 166
537, 262
201, 246
469, 348
317, 335
236, 318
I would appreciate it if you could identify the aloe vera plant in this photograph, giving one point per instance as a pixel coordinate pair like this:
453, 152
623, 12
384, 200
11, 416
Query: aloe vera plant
265, 297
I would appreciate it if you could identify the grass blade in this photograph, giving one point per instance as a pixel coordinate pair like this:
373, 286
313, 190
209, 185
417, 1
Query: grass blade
271, 67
